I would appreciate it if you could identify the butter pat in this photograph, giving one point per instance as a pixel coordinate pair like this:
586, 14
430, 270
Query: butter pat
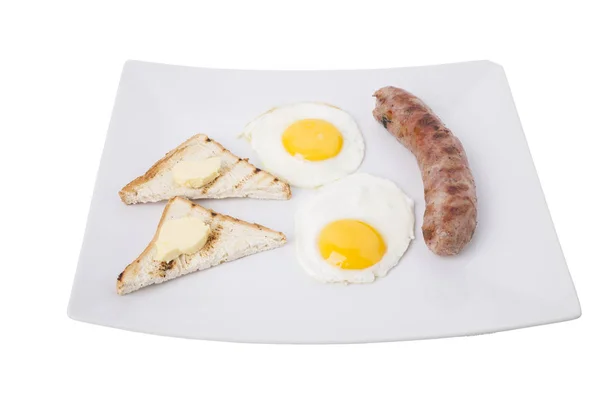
180, 236
195, 174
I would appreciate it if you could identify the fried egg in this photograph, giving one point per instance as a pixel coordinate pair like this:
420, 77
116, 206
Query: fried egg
307, 144
354, 230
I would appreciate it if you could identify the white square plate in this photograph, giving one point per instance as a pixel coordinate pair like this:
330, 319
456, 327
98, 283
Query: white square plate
512, 275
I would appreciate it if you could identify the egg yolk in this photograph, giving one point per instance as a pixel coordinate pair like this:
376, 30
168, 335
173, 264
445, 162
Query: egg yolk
351, 244
312, 139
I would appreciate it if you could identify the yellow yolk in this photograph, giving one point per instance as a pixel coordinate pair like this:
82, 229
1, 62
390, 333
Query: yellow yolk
351, 244
313, 139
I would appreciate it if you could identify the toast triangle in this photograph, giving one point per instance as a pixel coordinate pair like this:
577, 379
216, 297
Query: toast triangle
238, 178
229, 240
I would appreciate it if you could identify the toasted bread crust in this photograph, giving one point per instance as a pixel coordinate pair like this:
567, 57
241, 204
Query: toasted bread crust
154, 169
131, 188
133, 269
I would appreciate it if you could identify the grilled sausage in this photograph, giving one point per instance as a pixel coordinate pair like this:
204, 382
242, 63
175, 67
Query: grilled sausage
451, 203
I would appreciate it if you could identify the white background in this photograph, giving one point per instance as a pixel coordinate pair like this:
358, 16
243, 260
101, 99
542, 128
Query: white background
59, 72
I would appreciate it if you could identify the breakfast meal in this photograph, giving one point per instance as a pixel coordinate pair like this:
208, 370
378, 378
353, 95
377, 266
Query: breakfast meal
191, 238
451, 203
200, 168
354, 230
307, 144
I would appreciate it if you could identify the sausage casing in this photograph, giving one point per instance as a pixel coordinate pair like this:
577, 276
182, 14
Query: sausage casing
451, 201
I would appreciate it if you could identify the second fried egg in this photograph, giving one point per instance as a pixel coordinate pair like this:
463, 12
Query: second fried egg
354, 230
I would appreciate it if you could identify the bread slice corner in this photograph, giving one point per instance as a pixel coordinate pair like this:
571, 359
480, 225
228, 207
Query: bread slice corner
238, 177
230, 239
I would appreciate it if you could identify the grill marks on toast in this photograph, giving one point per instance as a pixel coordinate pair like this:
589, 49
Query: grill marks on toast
225, 230
222, 174
270, 187
164, 267
213, 239
246, 178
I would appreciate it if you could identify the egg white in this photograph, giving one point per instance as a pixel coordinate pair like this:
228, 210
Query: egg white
265, 135
376, 201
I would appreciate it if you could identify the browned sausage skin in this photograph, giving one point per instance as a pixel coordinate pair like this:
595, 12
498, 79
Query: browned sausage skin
451, 203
